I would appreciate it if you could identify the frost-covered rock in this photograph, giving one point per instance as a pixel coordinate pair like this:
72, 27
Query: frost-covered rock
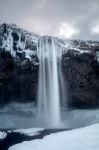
18, 41
21, 42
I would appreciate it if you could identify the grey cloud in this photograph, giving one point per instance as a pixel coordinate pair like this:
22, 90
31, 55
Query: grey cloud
45, 16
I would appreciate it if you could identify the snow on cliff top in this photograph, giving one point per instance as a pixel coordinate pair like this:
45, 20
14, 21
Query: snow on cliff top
27, 42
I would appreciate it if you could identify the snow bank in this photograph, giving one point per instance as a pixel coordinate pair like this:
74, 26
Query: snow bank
79, 139
3, 135
29, 132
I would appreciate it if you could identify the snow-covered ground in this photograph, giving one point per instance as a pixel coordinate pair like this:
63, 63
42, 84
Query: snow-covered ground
86, 138
3, 135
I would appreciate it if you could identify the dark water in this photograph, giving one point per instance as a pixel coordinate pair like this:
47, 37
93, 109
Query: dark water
15, 138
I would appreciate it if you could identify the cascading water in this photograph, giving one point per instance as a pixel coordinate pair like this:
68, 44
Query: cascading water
49, 85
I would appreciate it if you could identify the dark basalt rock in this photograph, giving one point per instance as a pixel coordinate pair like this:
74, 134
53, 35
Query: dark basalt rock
18, 79
82, 73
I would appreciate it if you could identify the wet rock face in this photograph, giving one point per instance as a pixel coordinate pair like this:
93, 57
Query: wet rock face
18, 79
18, 64
82, 73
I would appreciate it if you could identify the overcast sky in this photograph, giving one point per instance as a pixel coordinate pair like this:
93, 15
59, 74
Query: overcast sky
65, 18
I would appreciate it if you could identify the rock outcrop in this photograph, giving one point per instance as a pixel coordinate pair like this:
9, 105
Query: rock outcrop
19, 65
82, 73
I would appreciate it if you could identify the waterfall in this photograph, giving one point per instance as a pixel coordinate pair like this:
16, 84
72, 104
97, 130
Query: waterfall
49, 85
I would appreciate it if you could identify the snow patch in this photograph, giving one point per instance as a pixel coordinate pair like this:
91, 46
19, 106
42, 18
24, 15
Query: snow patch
29, 132
3, 135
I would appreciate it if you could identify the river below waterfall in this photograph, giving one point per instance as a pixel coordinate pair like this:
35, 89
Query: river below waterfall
11, 118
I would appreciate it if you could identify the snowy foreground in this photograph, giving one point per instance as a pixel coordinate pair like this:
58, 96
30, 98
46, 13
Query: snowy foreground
86, 138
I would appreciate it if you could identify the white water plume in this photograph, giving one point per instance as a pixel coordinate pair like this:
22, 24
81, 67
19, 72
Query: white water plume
49, 95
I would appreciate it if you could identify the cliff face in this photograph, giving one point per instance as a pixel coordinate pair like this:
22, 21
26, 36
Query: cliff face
82, 74
19, 65
81, 69
18, 42
18, 79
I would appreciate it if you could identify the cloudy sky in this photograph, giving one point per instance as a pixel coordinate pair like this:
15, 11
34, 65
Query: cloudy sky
63, 18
